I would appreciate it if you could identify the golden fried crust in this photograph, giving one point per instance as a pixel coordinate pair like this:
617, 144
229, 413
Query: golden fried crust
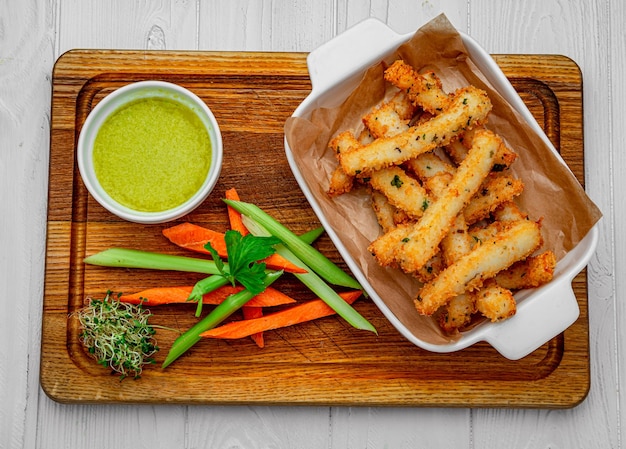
497, 189
494, 302
509, 211
530, 273
516, 242
458, 313
384, 211
427, 165
404, 192
504, 158
424, 90
384, 121
423, 240
340, 182
470, 106
457, 241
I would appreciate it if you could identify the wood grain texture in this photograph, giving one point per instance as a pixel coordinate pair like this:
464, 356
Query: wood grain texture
321, 363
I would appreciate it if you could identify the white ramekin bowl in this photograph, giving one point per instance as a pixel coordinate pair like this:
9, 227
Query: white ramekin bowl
122, 97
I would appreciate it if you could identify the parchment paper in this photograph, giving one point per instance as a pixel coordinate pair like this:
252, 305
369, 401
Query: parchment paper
551, 192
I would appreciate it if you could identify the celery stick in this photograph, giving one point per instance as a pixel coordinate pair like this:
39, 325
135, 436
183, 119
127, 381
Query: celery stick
204, 286
217, 315
132, 258
310, 256
315, 283
312, 235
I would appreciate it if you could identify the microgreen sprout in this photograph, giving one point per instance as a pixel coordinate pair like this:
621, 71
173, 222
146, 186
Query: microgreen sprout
118, 335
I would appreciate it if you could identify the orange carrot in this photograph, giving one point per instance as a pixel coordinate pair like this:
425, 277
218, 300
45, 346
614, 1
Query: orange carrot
236, 223
300, 313
250, 313
178, 295
194, 237
234, 217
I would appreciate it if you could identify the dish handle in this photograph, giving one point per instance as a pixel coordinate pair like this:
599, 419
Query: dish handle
538, 320
350, 52
550, 310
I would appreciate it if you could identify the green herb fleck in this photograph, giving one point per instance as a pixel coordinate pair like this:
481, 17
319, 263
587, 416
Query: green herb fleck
397, 181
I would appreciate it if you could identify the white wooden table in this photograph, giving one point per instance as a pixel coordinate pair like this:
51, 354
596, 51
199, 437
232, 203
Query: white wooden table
34, 33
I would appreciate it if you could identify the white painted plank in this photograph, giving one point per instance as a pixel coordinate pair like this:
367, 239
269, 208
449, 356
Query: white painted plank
400, 428
258, 427
265, 25
614, 202
26, 57
161, 25
108, 426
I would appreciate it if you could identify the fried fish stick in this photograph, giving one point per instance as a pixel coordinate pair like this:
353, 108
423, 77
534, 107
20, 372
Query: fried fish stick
384, 121
494, 301
509, 211
340, 182
401, 190
516, 242
403, 105
390, 118
504, 158
427, 165
458, 313
498, 188
469, 107
456, 151
424, 90
384, 211
529, 273
423, 240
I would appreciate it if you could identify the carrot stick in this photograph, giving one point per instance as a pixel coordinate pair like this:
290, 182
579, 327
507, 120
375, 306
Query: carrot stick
194, 237
234, 217
250, 313
178, 295
300, 313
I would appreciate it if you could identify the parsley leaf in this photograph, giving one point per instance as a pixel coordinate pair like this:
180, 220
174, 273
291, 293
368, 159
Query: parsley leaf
244, 254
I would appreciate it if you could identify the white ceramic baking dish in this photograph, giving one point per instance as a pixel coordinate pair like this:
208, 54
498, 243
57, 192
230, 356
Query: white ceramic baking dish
335, 69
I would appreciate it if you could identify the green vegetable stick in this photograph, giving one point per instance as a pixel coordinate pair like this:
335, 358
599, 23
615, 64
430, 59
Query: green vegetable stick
316, 284
204, 286
310, 256
217, 315
312, 235
132, 258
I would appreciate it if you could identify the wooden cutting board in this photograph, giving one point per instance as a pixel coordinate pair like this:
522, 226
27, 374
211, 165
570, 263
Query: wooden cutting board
325, 362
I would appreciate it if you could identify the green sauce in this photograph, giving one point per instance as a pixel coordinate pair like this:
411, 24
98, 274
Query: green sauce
152, 154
